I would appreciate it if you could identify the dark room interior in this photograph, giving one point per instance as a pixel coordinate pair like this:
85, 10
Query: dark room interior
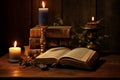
17, 17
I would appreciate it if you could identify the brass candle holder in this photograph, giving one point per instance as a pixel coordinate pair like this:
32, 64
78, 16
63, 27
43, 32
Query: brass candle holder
91, 29
42, 39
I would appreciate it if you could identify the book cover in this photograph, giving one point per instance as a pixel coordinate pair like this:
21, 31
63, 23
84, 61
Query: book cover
58, 31
51, 31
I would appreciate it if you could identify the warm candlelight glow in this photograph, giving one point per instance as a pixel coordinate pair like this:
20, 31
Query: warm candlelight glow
92, 18
43, 4
15, 43
14, 53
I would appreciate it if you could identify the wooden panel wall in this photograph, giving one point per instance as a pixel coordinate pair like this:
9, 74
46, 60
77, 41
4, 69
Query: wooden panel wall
110, 12
78, 11
71, 11
54, 9
15, 22
18, 16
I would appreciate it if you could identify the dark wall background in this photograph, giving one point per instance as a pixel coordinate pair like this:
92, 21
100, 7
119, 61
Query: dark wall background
18, 16
15, 19
109, 11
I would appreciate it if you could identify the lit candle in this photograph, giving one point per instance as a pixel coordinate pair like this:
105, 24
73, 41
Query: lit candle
14, 53
43, 15
92, 18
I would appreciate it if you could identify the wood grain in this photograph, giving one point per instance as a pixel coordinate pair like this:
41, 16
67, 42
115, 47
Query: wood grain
109, 68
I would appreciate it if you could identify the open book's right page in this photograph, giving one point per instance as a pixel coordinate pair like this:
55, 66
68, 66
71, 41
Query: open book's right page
79, 57
80, 54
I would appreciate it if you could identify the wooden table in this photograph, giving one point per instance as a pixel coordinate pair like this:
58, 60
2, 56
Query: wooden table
109, 68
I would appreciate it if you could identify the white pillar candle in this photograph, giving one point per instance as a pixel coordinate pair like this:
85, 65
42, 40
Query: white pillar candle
14, 53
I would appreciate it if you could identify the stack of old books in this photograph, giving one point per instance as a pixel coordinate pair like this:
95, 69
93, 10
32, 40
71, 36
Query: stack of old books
37, 39
42, 38
57, 36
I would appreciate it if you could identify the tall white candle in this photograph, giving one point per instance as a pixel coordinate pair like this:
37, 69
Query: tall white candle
43, 15
14, 53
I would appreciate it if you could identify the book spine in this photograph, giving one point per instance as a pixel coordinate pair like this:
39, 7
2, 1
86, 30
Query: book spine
35, 33
34, 43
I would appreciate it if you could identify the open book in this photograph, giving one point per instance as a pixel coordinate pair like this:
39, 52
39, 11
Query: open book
78, 57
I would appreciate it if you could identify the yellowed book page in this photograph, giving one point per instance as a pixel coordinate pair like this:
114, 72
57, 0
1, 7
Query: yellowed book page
88, 56
54, 53
77, 53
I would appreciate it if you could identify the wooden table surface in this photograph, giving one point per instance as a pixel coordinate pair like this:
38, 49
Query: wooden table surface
109, 68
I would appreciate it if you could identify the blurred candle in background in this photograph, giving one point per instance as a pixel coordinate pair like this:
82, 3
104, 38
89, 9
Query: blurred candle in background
43, 14
93, 18
14, 53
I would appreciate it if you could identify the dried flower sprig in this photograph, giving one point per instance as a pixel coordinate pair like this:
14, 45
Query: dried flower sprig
85, 39
26, 61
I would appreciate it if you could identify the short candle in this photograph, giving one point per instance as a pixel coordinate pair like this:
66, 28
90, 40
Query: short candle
14, 53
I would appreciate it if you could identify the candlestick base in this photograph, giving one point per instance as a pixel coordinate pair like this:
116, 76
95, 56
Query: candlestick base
13, 61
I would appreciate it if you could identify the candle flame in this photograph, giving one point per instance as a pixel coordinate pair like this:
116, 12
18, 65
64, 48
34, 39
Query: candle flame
92, 18
15, 43
43, 4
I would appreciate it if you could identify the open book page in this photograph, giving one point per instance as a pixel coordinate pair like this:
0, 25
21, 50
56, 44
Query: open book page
74, 63
80, 54
52, 55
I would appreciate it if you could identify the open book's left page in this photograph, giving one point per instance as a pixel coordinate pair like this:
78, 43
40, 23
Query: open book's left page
52, 55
